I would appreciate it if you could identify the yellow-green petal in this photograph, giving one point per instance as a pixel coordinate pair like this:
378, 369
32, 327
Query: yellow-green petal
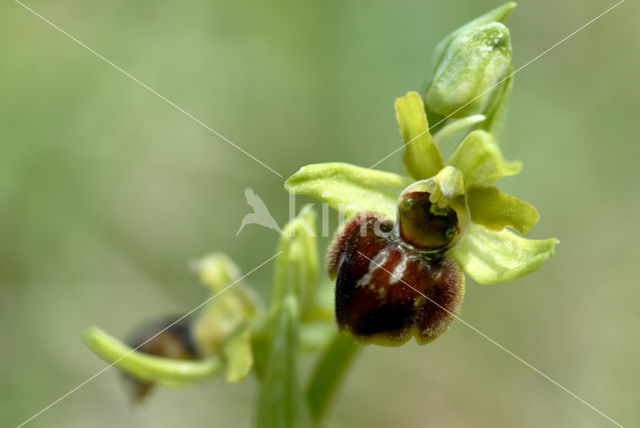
480, 160
421, 157
238, 355
348, 188
453, 126
146, 367
490, 257
495, 210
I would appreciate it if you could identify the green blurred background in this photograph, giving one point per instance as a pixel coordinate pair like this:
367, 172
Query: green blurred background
107, 193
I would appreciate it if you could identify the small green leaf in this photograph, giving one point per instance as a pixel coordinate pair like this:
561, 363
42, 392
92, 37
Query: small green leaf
495, 210
480, 160
348, 188
491, 257
421, 157
146, 367
296, 268
238, 355
281, 401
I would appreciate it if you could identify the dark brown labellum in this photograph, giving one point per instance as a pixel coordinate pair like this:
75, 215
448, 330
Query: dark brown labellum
386, 291
175, 342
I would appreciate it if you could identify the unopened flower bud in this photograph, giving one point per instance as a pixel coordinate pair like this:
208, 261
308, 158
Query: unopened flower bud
470, 71
166, 339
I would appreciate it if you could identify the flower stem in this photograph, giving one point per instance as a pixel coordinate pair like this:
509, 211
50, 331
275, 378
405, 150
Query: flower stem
328, 373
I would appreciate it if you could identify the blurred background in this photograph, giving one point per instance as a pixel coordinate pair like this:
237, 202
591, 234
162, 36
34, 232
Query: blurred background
107, 193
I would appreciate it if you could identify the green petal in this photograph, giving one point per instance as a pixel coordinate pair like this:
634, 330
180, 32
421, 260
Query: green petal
348, 188
238, 356
454, 126
495, 210
148, 367
490, 257
281, 401
421, 157
296, 268
480, 160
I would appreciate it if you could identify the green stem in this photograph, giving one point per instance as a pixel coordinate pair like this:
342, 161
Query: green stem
328, 373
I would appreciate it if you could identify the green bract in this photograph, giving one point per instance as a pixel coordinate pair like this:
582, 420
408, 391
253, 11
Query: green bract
487, 251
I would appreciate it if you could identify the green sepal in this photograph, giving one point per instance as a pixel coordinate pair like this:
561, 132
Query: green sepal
480, 160
495, 210
348, 188
281, 402
238, 355
421, 156
149, 368
490, 257
296, 268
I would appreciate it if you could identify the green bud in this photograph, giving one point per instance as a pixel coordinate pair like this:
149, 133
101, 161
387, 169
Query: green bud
233, 308
296, 268
470, 71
